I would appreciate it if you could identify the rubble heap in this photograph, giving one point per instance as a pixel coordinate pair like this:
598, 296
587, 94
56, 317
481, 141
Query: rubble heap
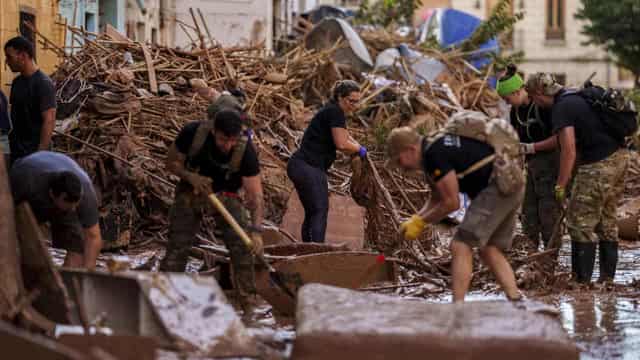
122, 103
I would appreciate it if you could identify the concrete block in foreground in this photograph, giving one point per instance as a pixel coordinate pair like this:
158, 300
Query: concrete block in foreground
335, 323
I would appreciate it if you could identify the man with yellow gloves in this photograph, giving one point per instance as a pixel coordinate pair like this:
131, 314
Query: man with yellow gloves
454, 164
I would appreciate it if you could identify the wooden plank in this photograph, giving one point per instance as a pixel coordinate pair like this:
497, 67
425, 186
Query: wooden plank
38, 269
153, 81
115, 34
10, 277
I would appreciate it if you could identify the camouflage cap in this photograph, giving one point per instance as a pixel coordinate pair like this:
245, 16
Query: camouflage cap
544, 83
224, 102
398, 141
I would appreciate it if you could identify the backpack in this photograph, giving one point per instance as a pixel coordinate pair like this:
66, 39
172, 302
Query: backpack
508, 169
617, 114
207, 127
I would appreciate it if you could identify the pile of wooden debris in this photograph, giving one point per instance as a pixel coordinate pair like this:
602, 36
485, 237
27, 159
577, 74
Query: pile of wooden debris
121, 104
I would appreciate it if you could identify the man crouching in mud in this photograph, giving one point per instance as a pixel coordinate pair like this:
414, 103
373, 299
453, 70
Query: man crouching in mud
490, 220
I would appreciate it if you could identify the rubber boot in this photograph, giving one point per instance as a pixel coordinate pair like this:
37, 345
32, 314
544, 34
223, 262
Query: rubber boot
608, 260
574, 259
583, 258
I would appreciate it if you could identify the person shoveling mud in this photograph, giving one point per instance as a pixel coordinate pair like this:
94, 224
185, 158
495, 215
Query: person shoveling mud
455, 161
214, 156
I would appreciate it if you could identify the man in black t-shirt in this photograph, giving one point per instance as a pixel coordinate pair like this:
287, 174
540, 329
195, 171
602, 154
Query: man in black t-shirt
490, 220
212, 168
33, 101
61, 193
599, 178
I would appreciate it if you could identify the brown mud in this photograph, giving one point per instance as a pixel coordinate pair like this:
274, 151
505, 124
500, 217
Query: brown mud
604, 322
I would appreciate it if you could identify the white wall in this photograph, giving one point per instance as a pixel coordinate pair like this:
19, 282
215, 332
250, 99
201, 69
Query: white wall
569, 56
231, 22
140, 25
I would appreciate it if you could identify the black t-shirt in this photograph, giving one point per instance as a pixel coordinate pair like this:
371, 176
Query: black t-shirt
213, 163
30, 178
593, 143
532, 123
317, 147
457, 153
30, 97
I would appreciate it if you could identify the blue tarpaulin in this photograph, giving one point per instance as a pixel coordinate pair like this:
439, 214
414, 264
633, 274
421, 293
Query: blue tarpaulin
450, 27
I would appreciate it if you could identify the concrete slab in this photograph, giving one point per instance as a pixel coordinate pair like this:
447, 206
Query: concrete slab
334, 323
180, 311
345, 225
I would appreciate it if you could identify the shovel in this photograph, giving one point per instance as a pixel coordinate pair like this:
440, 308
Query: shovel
275, 276
555, 242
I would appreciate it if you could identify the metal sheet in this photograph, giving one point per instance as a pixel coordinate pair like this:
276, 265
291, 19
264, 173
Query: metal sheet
301, 249
180, 311
19, 344
123, 347
351, 270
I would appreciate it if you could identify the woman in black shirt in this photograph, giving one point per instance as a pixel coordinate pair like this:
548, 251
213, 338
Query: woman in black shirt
533, 124
308, 166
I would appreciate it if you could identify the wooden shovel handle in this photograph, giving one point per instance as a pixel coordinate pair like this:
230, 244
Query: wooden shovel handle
227, 216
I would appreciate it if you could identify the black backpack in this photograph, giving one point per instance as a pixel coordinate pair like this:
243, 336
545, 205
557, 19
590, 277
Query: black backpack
618, 114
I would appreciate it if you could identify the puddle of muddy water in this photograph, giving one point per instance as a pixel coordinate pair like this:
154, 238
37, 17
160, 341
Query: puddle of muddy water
606, 325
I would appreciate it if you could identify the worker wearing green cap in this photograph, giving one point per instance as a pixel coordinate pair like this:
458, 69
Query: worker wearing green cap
539, 209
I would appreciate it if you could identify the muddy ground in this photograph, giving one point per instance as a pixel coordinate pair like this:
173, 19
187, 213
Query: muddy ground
605, 323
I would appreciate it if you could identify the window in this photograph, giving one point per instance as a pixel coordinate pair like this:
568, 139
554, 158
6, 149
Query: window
26, 17
90, 22
555, 19
140, 32
154, 36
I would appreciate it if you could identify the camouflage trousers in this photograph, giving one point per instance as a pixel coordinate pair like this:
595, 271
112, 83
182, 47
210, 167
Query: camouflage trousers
540, 209
185, 217
596, 190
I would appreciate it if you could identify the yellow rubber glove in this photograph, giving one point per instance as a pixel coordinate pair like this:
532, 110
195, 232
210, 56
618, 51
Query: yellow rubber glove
559, 193
413, 227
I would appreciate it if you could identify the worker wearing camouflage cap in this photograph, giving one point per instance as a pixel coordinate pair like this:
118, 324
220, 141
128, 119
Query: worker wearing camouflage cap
599, 163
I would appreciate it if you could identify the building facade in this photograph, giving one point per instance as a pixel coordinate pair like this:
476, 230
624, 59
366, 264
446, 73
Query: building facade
81, 14
44, 14
146, 21
231, 22
550, 38
112, 12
